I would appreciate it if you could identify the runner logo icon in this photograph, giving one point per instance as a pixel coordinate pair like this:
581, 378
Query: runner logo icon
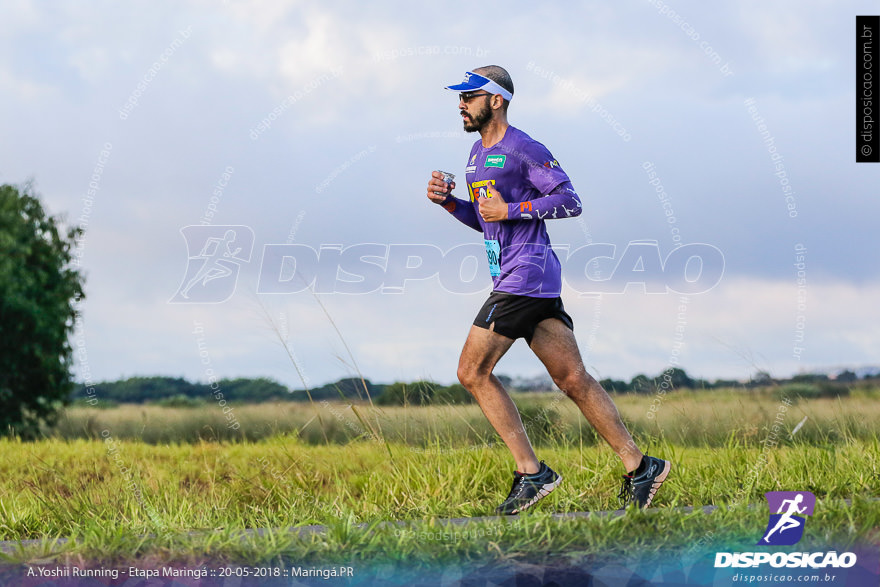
215, 255
786, 524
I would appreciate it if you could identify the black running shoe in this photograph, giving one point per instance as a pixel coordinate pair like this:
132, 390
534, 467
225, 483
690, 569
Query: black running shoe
528, 489
640, 489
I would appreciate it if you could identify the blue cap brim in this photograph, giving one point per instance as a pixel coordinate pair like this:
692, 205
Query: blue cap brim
473, 82
464, 87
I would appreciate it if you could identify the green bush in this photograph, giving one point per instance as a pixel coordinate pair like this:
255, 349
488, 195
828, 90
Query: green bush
453, 394
816, 390
423, 393
180, 401
794, 391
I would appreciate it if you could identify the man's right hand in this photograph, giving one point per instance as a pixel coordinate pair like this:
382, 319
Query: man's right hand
436, 184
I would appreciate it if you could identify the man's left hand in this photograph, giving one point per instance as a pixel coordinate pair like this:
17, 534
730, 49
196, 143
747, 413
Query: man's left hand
493, 208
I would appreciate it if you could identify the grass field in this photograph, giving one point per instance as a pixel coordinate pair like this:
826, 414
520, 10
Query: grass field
689, 418
133, 482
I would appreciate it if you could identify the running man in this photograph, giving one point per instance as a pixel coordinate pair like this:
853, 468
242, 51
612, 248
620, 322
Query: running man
213, 267
786, 521
514, 184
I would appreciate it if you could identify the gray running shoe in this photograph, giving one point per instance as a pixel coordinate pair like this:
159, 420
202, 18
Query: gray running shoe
640, 489
527, 490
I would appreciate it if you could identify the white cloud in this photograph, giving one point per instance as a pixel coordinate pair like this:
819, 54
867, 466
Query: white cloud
92, 63
262, 16
24, 90
20, 15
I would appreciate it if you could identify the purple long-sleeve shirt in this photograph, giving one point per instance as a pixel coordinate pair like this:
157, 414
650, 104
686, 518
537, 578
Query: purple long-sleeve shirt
535, 188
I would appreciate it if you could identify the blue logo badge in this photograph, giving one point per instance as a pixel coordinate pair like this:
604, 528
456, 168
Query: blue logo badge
786, 524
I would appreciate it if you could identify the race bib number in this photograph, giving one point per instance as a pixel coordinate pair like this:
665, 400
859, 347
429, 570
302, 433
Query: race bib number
493, 251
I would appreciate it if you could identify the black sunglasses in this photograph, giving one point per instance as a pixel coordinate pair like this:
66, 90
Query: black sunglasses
470, 96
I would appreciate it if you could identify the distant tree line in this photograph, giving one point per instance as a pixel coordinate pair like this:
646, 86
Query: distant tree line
417, 393
675, 378
178, 391
348, 388
812, 384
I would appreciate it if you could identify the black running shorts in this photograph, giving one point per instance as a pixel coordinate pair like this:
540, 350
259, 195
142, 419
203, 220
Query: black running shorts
517, 316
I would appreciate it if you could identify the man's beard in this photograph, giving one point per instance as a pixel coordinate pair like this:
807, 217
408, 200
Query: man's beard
479, 120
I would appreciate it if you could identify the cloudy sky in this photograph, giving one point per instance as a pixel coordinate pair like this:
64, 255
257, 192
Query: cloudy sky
727, 125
